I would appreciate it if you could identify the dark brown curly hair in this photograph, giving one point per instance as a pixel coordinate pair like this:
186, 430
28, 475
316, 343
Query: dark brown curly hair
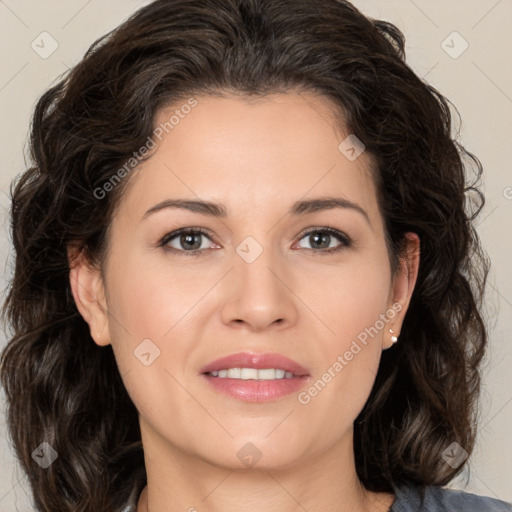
64, 389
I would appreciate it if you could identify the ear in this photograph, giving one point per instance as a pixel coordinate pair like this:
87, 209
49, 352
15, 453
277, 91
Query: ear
403, 285
88, 291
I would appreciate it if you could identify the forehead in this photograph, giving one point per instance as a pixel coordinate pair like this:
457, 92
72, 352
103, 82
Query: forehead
252, 153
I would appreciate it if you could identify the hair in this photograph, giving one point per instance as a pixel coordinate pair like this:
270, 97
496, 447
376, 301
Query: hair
64, 389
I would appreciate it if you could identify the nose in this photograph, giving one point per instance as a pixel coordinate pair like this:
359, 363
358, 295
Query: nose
259, 295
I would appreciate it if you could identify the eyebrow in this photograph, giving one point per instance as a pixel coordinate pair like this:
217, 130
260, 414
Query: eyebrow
298, 208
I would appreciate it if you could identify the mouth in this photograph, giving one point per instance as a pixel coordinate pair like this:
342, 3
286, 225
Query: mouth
253, 377
252, 374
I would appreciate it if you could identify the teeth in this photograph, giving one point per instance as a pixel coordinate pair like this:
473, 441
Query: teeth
248, 373
252, 373
234, 373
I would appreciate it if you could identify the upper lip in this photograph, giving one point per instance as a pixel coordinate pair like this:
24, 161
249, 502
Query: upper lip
255, 360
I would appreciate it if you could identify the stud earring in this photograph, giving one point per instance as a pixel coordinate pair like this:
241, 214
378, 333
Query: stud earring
394, 339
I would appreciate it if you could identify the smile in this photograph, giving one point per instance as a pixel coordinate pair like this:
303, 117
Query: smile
252, 374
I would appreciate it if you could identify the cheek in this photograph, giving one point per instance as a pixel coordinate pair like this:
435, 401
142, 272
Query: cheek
350, 297
145, 313
365, 297
148, 319
148, 298
353, 306
349, 352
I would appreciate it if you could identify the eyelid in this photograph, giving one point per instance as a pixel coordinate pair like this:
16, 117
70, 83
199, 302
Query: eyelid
325, 229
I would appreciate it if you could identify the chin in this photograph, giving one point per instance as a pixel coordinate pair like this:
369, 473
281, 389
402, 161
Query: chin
255, 454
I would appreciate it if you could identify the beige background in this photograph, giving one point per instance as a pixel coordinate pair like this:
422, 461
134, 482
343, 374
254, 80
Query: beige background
478, 82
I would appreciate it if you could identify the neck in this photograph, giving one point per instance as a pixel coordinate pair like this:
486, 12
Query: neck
179, 481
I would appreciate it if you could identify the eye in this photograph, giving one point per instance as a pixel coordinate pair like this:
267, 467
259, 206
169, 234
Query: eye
186, 241
321, 238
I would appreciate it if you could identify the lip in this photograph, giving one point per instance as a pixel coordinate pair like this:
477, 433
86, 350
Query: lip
256, 391
258, 361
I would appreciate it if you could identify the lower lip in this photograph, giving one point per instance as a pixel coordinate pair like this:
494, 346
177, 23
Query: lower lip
256, 390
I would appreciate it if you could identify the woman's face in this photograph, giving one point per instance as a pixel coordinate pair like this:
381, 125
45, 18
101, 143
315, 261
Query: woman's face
259, 282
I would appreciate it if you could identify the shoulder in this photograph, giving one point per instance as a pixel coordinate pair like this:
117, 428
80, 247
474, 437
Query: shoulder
412, 498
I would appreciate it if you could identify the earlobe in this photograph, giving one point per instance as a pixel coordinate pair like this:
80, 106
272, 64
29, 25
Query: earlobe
403, 285
88, 291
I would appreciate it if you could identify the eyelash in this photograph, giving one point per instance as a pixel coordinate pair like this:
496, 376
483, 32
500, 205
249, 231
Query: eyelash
344, 239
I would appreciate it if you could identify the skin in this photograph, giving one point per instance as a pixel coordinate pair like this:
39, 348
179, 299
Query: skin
256, 157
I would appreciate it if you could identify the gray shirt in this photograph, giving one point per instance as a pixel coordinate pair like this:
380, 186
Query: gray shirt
411, 498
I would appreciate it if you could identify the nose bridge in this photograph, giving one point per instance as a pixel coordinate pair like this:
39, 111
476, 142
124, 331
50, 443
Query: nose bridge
256, 266
258, 295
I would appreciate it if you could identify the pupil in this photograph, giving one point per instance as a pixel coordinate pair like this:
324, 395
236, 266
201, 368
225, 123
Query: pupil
325, 236
189, 238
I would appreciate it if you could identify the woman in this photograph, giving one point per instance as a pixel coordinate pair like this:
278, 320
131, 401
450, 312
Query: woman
245, 276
